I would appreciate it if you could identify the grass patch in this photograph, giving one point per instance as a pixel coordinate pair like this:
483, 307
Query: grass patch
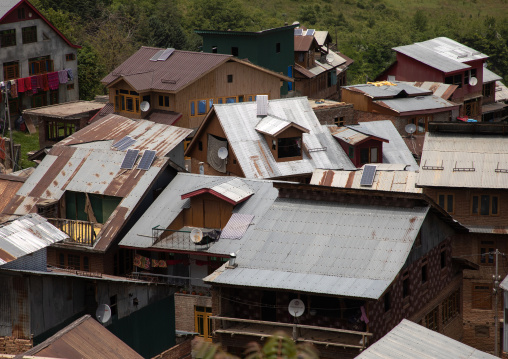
28, 143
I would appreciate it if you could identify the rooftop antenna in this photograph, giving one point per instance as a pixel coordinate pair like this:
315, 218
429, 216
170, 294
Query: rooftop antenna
103, 313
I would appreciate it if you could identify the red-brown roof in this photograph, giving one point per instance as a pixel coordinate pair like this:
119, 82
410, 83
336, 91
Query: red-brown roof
9, 185
157, 116
303, 43
85, 339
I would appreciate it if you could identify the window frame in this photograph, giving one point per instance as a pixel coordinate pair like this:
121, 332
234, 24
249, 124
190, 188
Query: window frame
29, 34
70, 57
479, 205
485, 248
205, 330
11, 70
40, 65
298, 144
431, 319
8, 38
450, 307
446, 198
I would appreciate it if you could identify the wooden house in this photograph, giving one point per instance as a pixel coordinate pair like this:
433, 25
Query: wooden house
447, 61
492, 109
359, 261
464, 168
276, 139
187, 83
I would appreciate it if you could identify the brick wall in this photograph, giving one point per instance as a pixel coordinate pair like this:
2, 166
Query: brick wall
327, 114
13, 346
179, 351
184, 310
98, 263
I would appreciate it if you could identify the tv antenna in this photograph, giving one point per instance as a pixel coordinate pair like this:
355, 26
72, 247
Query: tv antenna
196, 235
144, 106
103, 313
410, 128
222, 153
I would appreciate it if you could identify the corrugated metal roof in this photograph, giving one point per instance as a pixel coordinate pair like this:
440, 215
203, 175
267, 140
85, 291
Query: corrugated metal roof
27, 235
169, 204
387, 91
446, 156
324, 247
321, 37
438, 89
173, 74
9, 185
504, 283
392, 180
237, 226
95, 168
409, 340
395, 151
234, 189
303, 43
253, 154
489, 76
442, 53
302, 70
501, 92
349, 136
85, 338
271, 125
419, 103
65, 110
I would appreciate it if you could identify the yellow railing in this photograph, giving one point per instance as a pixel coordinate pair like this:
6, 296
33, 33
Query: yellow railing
80, 232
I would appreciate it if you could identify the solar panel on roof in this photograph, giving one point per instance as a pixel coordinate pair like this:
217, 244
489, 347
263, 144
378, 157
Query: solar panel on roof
146, 160
157, 55
167, 53
311, 32
130, 158
298, 32
126, 144
121, 142
369, 172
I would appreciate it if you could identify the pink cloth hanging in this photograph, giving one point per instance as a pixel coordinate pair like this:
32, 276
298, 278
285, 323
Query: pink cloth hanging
53, 80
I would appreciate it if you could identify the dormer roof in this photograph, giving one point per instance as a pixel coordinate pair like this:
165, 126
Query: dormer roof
232, 190
274, 126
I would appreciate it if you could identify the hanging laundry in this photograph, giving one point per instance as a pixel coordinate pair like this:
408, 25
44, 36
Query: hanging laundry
28, 83
69, 72
39, 81
53, 81
21, 85
63, 77
45, 82
14, 88
163, 264
34, 84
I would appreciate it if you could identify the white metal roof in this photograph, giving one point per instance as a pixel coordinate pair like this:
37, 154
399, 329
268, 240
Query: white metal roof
464, 160
232, 188
27, 235
409, 340
239, 121
322, 247
489, 76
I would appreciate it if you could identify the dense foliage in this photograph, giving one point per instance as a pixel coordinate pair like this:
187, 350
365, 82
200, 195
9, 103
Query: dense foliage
111, 30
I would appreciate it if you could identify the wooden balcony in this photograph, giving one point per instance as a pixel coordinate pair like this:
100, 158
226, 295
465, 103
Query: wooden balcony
80, 232
301, 333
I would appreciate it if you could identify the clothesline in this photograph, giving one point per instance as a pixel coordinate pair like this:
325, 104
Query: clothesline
147, 263
30, 85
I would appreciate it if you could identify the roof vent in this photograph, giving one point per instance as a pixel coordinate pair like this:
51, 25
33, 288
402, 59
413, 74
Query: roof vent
262, 105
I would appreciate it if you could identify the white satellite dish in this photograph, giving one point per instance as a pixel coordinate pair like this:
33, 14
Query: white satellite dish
196, 235
144, 106
410, 128
329, 58
473, 81
296, 307
222, 153
103, 313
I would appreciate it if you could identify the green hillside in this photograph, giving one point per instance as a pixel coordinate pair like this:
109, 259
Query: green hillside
365, 30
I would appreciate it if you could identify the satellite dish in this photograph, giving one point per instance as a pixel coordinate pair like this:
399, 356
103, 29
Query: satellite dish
473, 81
196, 235
410, 128
329, 58
222, 153
296, 307
103, 313
144, 106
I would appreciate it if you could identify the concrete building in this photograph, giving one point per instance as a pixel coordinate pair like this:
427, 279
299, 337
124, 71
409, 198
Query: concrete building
32, 46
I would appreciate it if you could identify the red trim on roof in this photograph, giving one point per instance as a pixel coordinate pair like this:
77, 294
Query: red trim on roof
216, 194
43, 18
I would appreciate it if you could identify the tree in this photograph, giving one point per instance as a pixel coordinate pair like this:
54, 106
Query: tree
90, 72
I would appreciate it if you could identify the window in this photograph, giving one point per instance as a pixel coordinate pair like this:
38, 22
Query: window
482, 296
21, 13
424, 271
373, 155
8, 38
339, 121
446, 202
486, 91
484, 205
472, 107
70, 87
40, 99
421, 123
466, 75
289, 147
86, 264
40, 65
29, 34
163, 101
202, 106
487, 252
431, 320
127, 101
74, 261
364, 155
214, 49
277, 47
202, 322
369, 155
70, 57
113, 302
274, 145
234, 51
200, 145
11, 70
53, 97
405, 285
61, 260
451, 307
230, 78
387, 302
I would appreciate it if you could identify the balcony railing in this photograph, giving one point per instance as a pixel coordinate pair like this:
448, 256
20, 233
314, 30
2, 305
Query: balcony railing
79, 232
301, 333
